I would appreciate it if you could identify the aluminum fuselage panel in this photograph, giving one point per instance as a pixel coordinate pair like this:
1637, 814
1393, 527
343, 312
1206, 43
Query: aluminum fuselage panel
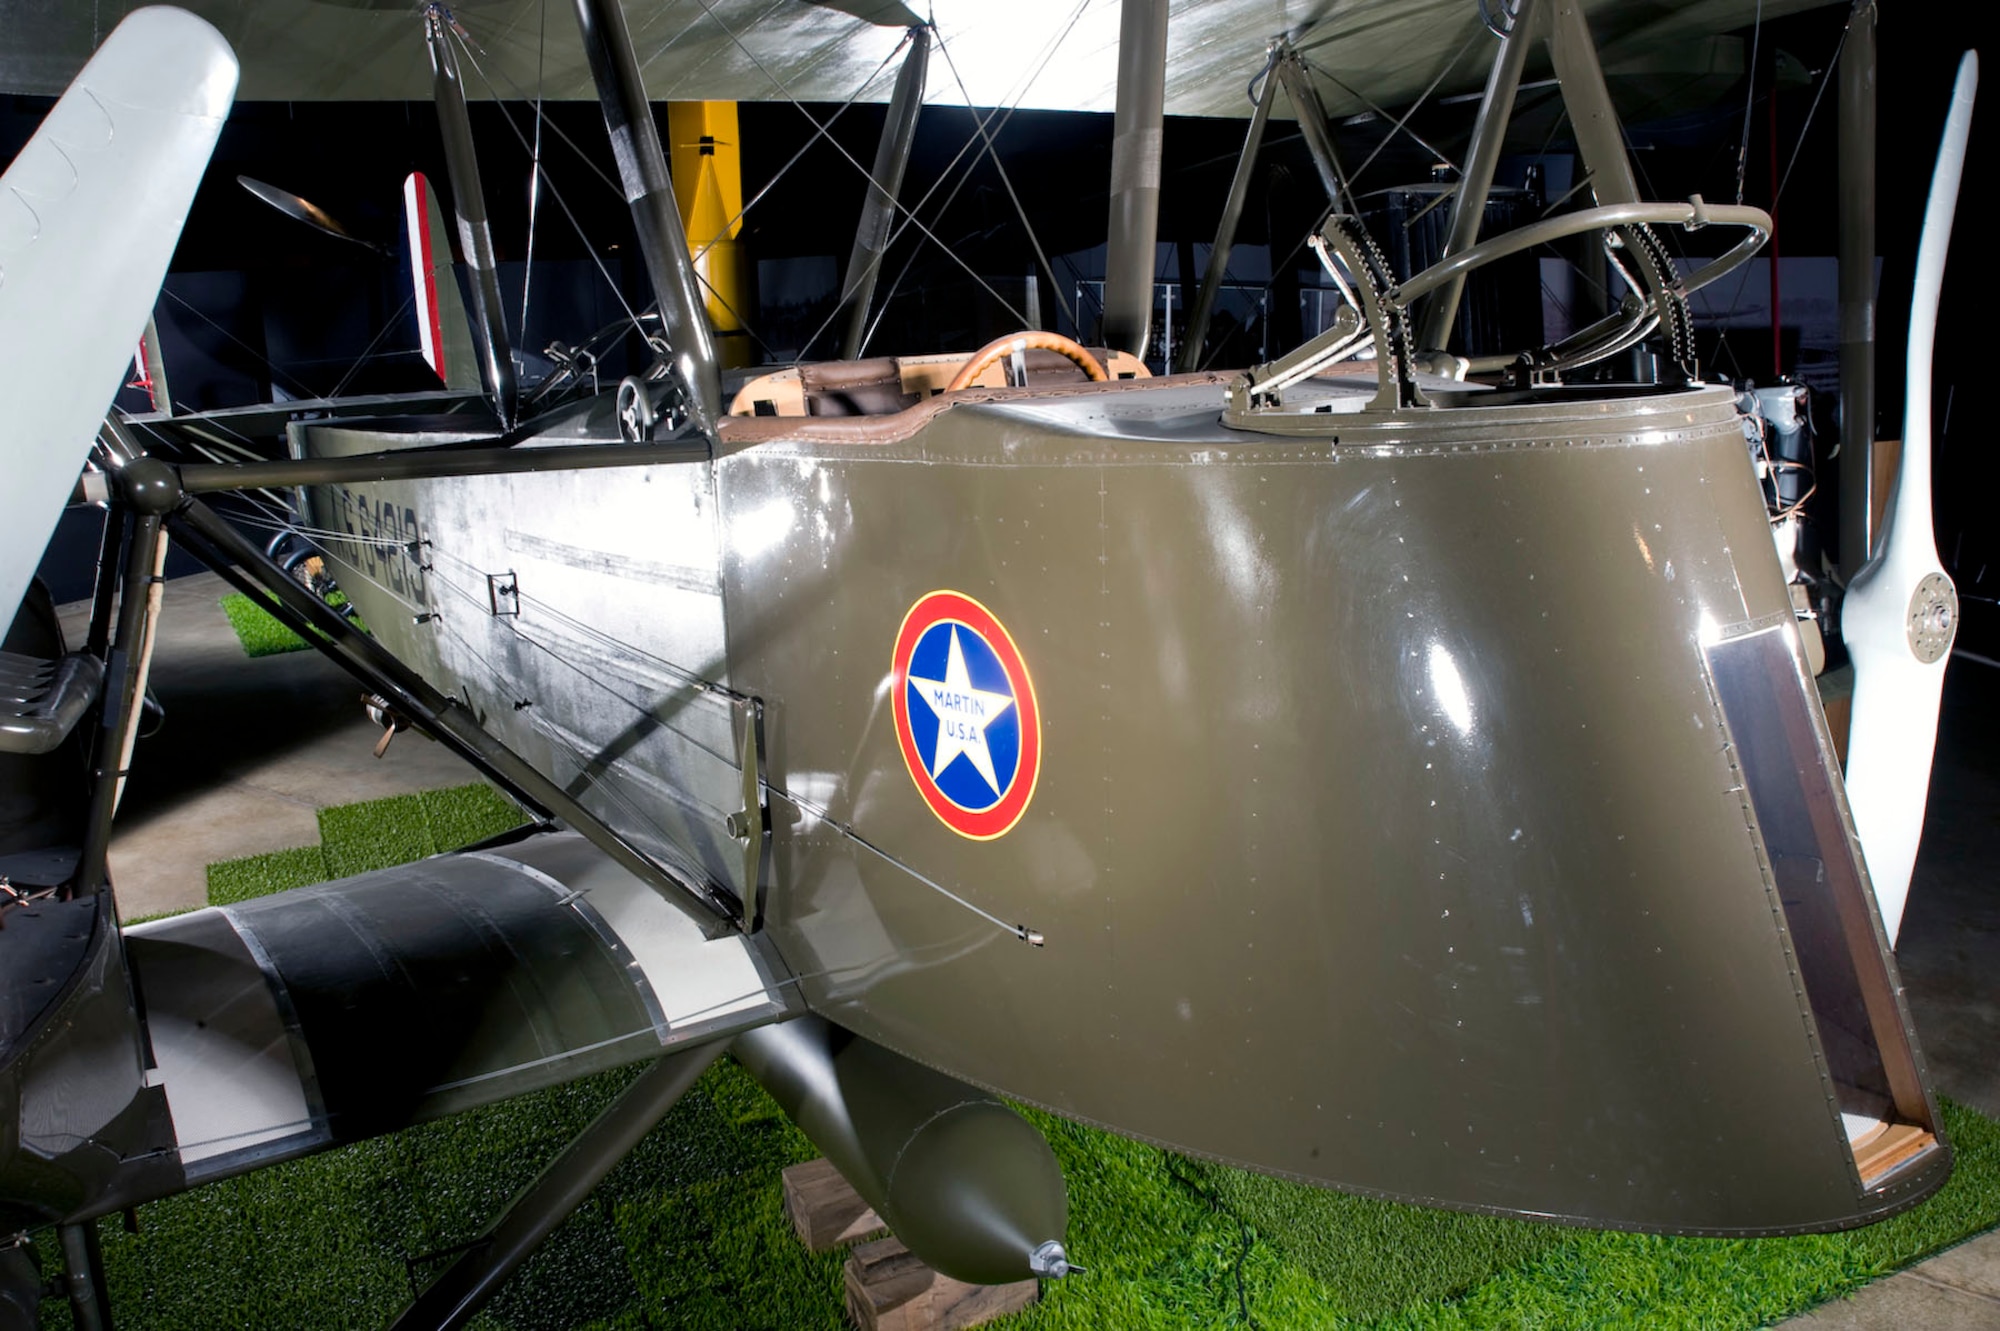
1384, 833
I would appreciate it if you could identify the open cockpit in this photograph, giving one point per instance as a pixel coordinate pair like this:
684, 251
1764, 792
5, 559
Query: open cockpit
885, 385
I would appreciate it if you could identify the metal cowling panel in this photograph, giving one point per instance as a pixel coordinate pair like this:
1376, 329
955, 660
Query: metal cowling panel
327, 1014
415, 985
1384, 833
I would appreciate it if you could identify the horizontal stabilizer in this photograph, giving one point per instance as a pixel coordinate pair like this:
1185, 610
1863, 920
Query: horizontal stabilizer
89, 215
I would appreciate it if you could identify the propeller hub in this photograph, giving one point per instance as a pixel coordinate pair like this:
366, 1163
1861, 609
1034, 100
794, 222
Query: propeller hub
1933, 618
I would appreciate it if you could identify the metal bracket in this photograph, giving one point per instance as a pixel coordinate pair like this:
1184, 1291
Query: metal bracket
503, 594
635, 410
1372, 315
751, 825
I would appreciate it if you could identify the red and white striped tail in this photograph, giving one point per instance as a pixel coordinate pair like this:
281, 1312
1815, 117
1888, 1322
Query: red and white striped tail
417, 213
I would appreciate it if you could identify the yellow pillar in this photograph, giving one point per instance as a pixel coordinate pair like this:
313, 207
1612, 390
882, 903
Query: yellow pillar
708, 186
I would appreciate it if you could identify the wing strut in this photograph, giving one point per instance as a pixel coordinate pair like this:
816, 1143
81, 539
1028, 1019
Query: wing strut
1489, 131
1135, 176
1304, 97
468, 200
649, 189
892, 155
1599, 137
1225, 230
1857, 290
463, 1289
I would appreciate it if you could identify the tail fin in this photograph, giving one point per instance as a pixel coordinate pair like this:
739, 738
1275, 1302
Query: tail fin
442, 327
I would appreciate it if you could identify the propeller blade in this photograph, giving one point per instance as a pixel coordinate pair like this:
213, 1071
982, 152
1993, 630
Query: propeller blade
1902, 611
89, 215
304, 210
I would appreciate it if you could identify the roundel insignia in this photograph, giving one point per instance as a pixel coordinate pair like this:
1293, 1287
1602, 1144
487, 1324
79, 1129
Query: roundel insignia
965, 715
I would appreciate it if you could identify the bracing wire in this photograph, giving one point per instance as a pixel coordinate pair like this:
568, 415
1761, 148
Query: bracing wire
554, 193
818, 133
259, 356
614, 791
1402, 125
1749, 101
466, 45
992, 150
1415, 106
375, 342
1826, 77
781, 86
979, 136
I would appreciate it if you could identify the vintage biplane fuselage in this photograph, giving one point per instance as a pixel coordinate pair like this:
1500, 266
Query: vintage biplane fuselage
1408, 780
1430, 803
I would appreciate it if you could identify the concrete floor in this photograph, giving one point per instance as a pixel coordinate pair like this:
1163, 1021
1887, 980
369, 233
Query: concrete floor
250, 751
253, 748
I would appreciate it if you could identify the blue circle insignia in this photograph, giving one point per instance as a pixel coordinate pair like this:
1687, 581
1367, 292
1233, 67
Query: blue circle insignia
963, 716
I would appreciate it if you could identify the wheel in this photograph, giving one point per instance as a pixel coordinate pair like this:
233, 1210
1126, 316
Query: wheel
1040, 341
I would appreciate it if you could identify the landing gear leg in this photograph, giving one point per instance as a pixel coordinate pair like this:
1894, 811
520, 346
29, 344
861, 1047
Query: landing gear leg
83, 1276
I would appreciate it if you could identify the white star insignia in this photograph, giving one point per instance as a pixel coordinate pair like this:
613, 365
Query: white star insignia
963, 714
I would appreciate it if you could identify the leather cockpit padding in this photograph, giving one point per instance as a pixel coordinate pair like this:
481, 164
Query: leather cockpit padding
871, 387
738, 432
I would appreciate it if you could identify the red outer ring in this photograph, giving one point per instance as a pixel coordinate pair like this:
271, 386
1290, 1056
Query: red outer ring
941, 607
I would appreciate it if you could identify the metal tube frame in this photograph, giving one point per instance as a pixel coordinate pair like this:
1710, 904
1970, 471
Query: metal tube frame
649, 191
241, 563
1225, 230
83, 1276
475, 234
1691, 214
885, 183
1311, 112
463, 1288
104, 593
1482, 157
1857, 289
420, 464
1600, 139
120, 710
1622, 328
1138, 130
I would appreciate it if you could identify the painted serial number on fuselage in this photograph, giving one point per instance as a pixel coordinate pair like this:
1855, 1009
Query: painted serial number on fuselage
386, 540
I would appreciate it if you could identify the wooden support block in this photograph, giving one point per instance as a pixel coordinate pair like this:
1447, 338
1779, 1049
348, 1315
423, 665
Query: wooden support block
1877, 1155
889, 1289
825, 1209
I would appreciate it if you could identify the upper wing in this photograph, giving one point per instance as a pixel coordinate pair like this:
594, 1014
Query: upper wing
1048, 54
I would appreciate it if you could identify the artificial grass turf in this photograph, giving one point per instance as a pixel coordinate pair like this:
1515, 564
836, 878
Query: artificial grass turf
374, 834
690, 1231
259, 631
